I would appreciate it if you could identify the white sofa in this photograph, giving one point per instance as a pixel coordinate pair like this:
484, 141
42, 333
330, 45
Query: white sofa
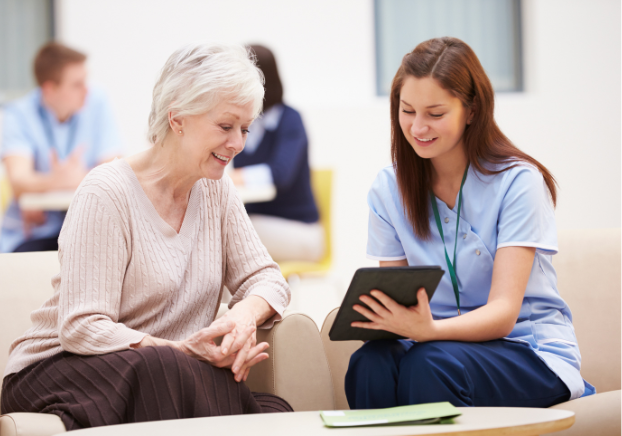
308, 370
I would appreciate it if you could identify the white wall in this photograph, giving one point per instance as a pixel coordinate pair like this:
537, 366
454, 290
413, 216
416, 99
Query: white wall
568, 118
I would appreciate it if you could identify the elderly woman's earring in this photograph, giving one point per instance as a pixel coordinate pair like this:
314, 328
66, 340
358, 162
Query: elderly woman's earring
180, 131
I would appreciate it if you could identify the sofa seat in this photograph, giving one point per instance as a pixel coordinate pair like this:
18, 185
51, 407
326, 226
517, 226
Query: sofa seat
597, 414
30, 424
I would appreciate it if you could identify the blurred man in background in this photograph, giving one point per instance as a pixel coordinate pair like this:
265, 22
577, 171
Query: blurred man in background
51, 138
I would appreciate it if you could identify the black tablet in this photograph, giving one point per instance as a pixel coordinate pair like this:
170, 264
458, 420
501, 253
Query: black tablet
400, 283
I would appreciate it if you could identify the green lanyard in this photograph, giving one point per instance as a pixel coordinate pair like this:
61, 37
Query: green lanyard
451, 266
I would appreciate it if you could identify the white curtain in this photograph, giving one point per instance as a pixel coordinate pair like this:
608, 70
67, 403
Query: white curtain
490, 27
25, 25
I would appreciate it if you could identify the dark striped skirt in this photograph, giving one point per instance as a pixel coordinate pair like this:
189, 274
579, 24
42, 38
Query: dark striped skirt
147, 384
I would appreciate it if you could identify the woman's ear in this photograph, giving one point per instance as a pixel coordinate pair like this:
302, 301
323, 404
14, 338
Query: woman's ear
471, 114
472, 110
176, 122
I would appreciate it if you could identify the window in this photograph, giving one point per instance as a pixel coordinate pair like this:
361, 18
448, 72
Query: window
491, 27
25, 25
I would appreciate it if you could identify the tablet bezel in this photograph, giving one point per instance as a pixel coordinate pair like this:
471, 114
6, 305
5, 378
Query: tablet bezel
393, 282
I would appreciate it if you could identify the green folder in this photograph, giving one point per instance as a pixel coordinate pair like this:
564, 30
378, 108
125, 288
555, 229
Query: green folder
430, 413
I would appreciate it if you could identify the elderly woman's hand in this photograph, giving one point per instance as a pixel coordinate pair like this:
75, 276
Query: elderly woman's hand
242, 340
201, 346
242, 351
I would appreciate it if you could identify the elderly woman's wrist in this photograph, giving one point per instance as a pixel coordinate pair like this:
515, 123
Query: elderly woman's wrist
150, 341
261, 309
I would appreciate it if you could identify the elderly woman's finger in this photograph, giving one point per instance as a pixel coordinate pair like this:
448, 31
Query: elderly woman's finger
258, 358
253, 352
226, 343
241, 338
238, 366
220, 361
216, 330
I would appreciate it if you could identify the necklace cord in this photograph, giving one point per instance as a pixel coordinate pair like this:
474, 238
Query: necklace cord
450, 266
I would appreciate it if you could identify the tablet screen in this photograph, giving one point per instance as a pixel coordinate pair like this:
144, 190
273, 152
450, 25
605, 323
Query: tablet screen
400, 283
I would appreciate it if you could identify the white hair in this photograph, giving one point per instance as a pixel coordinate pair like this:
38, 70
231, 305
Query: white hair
197, 77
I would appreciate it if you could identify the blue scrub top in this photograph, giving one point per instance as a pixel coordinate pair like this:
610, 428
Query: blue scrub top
29, 129
510, 209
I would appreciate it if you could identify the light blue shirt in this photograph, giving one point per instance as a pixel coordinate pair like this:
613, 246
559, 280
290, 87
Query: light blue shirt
510, 209
29, 129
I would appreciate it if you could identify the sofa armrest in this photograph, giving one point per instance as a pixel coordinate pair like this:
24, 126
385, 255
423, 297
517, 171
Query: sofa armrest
338, 354
596, 414
30, 424
297, 369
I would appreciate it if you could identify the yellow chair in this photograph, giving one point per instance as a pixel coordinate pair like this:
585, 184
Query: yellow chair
322, 185
5, 194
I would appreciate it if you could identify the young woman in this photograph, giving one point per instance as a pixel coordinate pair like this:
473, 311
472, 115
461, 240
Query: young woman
460, 195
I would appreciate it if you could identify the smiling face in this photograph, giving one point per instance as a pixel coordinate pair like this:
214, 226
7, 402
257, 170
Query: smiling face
432, 119
209, 141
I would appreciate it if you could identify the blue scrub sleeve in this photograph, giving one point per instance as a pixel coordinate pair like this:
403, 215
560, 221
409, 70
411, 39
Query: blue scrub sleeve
383, 242
526, 218
14, 136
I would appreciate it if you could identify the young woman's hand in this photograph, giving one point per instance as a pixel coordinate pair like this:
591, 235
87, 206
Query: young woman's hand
414, 322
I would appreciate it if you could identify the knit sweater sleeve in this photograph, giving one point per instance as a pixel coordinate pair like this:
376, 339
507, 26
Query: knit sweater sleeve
94, 254
249, 269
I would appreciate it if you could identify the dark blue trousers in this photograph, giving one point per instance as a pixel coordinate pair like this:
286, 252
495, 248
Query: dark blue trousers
493, 374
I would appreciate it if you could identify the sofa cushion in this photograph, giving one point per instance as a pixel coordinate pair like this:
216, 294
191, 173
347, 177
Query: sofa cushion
25, 285
297, 369
588, 272
338, 355
594, 415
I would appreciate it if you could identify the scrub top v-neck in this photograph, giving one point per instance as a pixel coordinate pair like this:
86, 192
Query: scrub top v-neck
509, 209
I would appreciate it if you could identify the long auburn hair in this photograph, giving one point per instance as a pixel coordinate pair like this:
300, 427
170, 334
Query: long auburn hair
267, 64
454, 65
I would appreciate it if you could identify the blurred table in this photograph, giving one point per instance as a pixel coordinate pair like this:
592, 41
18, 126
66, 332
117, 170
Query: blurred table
258, 194
60, 200
53, 200
482, 421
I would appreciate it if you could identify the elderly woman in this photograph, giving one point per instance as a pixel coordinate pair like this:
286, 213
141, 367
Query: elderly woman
147, 248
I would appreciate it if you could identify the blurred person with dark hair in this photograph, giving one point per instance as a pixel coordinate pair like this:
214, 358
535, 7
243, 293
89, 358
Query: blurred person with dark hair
51, 138
276, 152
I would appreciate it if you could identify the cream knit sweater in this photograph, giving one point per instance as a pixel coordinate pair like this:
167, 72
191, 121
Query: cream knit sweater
126, 273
